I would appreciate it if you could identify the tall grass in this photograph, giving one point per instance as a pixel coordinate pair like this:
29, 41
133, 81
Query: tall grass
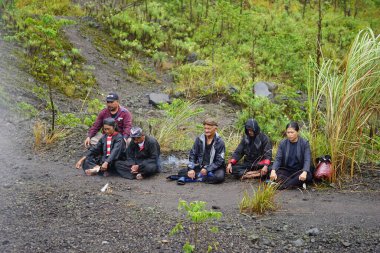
261, 201
342, 102
173, 131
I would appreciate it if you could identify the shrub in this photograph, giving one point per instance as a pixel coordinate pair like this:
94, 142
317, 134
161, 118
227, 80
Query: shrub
199, 223
174, 129
341, 103
261, 201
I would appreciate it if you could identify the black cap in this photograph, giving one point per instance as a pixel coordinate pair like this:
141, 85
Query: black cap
112, 96
136, 132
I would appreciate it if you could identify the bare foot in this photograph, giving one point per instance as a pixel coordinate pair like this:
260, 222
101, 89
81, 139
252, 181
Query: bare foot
139, 177
93, 171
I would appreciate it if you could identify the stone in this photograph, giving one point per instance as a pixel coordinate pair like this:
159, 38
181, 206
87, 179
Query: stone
346, 244
312, 232
158, 98
261, 89
253, 238
232, 89
105, 242
298, 243
200, 63
192, 57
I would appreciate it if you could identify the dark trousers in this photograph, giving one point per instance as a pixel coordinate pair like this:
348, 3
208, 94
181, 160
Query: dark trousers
239, 170
215, 177
91, 161
123, 168
289, 179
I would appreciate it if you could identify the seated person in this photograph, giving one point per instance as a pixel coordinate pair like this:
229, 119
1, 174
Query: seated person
206, 159
113, 110
101, 157
291, 167
256, 148
142, 156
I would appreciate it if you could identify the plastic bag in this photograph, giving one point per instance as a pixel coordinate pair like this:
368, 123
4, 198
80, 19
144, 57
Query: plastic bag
323, 170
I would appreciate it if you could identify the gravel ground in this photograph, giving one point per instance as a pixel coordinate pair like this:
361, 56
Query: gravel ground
48, 206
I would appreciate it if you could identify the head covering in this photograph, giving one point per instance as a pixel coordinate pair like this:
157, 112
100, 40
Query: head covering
136, 132
112, 96
252, 124
210, 122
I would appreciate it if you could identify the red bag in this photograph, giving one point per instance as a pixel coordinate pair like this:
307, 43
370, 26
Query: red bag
323, 170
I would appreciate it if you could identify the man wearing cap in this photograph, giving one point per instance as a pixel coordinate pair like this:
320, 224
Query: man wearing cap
206, 159
256, 148
120, 114
142, 156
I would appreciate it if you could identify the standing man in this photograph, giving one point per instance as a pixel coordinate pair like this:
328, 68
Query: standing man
256, 148
142, 156
206, 159
120, 114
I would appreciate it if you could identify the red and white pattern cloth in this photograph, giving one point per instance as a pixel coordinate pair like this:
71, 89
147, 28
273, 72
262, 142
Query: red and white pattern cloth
109, 139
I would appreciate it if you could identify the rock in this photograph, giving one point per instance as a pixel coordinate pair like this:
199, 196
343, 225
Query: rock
299, 92
261, 89
5, 242
271, 86
215, 207
105, 242
192, 57
200, 63
158, 98
312, 232
232, 89
266, 242
312, 240
253, 238
346, 244
298, 243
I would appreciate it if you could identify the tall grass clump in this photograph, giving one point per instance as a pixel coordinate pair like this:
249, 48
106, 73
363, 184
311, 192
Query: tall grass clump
174, 129
261, 201
341, 103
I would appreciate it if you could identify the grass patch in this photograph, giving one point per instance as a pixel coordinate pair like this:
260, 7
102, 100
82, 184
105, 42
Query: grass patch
261, 201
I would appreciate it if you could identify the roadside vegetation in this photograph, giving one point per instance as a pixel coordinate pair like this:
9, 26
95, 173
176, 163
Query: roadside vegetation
327, 74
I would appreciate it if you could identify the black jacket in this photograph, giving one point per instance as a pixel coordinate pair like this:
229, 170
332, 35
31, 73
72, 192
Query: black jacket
303, 154
254, 149
216, 156
149, 155
117, 149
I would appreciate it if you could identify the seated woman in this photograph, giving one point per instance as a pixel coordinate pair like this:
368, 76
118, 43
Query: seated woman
291, 167
101, 157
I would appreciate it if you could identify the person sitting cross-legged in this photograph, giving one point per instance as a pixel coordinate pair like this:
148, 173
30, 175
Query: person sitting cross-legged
101, 157
206, 159
256, 148
143, 155
292, 166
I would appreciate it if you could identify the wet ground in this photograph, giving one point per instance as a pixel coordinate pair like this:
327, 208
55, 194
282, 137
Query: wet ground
48, 206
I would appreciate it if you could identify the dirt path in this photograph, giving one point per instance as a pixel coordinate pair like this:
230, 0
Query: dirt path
48, 206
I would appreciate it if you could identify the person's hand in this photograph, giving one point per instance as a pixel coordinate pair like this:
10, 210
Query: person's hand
204, 172
191, 174
78, 165
104, 166
135, 169
229, 168
264, 170
303, 176
87, 142
273, 175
